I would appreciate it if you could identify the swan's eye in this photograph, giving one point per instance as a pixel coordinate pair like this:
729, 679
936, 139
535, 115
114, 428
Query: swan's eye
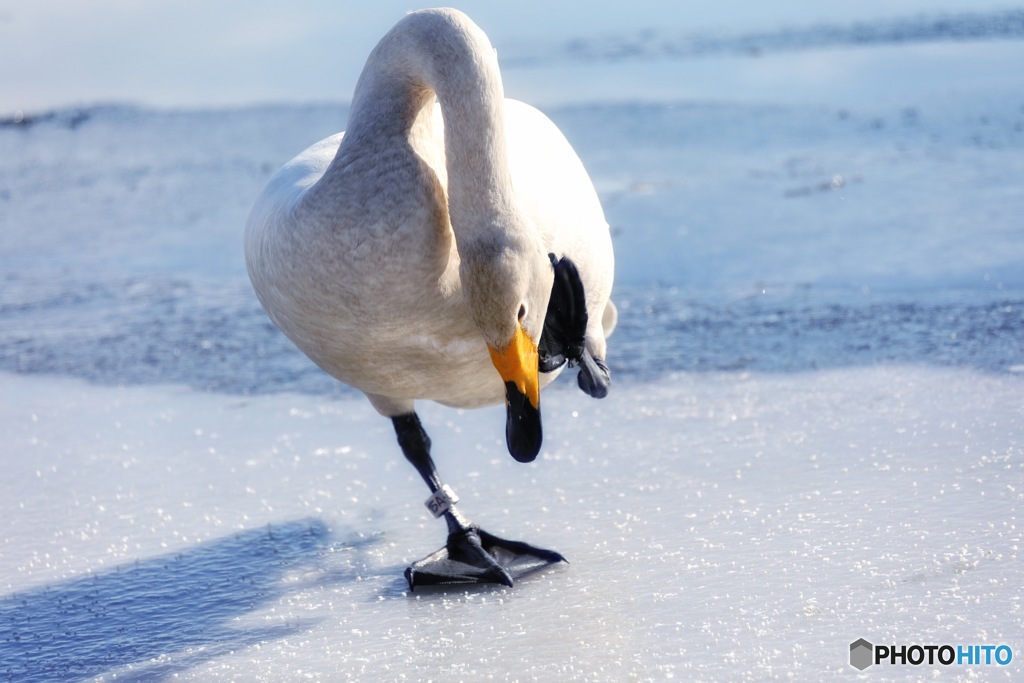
522, 312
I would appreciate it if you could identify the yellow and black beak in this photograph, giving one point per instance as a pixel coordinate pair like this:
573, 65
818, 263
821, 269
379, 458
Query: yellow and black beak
517, 365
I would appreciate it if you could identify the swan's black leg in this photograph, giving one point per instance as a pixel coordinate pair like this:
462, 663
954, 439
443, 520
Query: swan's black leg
471, 555
415, 446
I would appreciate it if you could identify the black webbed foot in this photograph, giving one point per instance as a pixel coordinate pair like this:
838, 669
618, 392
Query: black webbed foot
565, 323
474, 556
594, 378
565, 331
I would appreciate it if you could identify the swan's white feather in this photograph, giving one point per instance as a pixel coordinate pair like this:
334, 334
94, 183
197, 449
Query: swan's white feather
351, 246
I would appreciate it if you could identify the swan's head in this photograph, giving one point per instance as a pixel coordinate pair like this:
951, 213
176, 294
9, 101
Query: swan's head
507, 287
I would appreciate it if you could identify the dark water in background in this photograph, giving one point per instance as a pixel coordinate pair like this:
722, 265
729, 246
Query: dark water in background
174, 331
120, 258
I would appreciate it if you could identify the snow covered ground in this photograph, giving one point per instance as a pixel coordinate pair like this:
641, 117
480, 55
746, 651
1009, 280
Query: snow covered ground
719, 526
815, 435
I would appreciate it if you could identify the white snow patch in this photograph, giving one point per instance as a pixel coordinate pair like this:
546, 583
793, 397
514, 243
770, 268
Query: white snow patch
739, 526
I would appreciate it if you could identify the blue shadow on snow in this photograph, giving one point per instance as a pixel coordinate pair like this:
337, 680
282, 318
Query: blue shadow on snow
178, 607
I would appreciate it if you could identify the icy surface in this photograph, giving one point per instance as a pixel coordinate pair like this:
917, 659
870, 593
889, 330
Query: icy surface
814, 433
723, 526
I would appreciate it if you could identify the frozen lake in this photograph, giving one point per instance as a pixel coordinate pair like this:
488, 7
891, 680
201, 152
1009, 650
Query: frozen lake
814, 433
719, 526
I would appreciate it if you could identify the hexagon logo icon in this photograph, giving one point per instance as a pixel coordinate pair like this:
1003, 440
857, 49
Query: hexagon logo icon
861, 654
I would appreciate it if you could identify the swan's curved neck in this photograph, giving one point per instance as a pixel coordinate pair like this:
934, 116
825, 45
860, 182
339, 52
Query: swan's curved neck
443, 53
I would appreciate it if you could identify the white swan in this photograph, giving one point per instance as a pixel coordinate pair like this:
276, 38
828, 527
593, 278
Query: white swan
409, 258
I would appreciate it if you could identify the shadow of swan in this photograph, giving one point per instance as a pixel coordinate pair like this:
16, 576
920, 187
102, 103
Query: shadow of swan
179, 608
